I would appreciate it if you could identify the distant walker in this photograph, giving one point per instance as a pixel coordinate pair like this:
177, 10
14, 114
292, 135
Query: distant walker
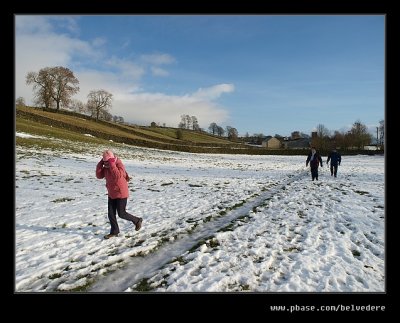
315, 160
335, 159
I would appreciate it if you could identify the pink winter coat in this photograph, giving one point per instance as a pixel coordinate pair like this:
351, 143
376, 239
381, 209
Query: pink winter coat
116, 183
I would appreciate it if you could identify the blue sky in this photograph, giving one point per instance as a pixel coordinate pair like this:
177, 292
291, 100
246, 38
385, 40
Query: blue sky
269, 74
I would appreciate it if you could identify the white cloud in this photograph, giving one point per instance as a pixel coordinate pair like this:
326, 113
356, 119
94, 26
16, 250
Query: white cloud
143, 108
99, 41
32, 24
126, 68
159, 71
94, 80
214, 92
69, 23
158, 59
33, 52
38, 46
126, 44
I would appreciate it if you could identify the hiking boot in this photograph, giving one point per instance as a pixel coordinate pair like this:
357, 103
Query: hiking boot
108, 236
138, 225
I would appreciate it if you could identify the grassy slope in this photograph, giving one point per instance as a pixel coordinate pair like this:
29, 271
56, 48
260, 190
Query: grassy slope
81, 132
83, 129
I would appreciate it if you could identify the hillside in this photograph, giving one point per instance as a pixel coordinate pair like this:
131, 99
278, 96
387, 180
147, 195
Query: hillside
78, 127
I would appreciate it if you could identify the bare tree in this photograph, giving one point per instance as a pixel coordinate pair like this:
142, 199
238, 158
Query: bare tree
77, 106
105, 115
53, 85
195, 123
322, 141
220, 131
338, 140
20, 102
213, 128
42, 87
188, 121
99, 102
360, 134
232, 133
183, 124
322, 131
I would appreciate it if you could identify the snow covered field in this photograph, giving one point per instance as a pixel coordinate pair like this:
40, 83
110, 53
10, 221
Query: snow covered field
212, 223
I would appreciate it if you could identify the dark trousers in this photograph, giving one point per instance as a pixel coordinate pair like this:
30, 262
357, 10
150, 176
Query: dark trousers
314, 173
118, 206
334, 169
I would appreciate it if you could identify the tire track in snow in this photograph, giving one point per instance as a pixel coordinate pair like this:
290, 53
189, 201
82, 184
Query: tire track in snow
145, 267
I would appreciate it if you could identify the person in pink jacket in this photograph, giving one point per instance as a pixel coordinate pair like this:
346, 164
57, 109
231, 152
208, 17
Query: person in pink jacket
113, 170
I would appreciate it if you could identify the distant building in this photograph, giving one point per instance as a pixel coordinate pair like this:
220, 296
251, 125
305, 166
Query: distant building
295, 135
271, 143
299, 143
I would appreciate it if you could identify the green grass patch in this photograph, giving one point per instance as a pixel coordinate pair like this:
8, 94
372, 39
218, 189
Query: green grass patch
229, 227
292, 249
192, 228
82, 288
180, 260
238, 205
244, 287
143, 286
213, 243
139, 243
362, 192
198, 244
40, 129
55, 276
62, 199
301, 214
207, 219
166, 184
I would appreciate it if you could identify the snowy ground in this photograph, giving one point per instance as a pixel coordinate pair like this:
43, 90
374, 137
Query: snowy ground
212, 223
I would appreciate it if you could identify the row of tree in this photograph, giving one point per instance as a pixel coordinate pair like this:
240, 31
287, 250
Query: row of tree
357, 137
231, 132
189, 122
54, 87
